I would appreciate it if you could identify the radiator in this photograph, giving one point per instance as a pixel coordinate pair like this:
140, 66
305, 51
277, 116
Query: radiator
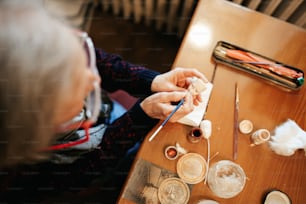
168, 15
293, 11
78, 12
174, 15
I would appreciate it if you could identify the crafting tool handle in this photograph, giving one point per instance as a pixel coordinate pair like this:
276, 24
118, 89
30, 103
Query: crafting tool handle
171, 114
167, 119
235, 142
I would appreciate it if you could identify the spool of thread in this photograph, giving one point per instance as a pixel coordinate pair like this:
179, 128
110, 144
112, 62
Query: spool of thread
260, 136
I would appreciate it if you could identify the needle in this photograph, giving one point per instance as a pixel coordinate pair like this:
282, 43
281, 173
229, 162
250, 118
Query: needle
235, 144
166, 120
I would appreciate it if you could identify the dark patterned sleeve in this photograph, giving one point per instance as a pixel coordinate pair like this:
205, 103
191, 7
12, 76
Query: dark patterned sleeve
123, 133
119, 74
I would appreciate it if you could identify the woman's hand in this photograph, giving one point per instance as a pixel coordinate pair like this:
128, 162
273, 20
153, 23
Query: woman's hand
159, 105
177, 79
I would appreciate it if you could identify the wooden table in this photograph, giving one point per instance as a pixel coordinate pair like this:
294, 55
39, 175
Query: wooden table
265, 105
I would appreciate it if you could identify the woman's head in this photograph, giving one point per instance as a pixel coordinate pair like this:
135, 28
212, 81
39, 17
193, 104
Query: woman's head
43, 79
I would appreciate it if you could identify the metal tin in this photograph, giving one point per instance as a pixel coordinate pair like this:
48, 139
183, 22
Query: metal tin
283, 82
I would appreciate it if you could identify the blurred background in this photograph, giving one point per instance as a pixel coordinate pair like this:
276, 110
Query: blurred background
136, 43
149, 32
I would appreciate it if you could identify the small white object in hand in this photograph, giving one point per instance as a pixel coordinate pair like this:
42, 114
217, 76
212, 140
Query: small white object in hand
287, 138
196, 116
196, 86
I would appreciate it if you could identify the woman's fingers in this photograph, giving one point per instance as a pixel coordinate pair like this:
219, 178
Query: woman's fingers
160, 105
191, 72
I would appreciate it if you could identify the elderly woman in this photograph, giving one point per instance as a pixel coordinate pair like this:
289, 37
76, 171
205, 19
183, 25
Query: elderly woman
53, 137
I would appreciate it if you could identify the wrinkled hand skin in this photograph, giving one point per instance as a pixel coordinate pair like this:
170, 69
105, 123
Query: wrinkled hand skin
171, 87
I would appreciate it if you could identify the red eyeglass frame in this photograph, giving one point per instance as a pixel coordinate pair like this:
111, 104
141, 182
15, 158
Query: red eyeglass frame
93, 115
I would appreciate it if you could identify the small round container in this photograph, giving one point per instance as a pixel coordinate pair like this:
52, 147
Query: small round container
260, 136
277, 197
207, 202
171, 153
191, 168
245, 126
226, 179
173, 190
195, 135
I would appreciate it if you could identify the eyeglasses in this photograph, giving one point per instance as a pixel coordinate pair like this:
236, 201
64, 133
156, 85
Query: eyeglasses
92, 103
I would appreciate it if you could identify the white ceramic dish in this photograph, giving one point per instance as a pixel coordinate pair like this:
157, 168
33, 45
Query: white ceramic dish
191, 168
173, 190
226, 179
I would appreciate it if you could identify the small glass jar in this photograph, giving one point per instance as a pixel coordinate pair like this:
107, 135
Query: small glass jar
226, 179
205, 201
260, 136
171, 152
195, 135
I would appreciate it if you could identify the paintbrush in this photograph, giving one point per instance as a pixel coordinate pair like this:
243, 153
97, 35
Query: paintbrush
235, 142
167, 119
196, 87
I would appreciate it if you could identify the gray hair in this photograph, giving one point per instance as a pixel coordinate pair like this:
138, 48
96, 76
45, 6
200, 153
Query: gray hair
36, 65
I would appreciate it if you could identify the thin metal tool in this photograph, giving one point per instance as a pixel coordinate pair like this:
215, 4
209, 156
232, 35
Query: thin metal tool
235, 142
259, 63
166, 120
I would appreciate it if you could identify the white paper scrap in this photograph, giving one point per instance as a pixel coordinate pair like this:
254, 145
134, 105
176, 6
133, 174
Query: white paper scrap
196, 116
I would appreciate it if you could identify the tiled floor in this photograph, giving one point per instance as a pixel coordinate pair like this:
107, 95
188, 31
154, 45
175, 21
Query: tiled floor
136, 43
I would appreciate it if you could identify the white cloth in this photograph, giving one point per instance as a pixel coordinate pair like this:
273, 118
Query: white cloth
287, 138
